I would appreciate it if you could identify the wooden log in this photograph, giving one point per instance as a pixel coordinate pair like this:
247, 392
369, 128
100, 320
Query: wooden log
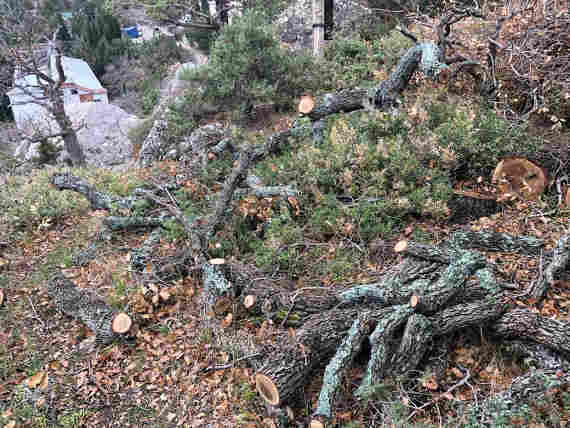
495, 241
2, 297
346, 352
285, 306
558, 264
385, 94
524, 324
397, 286
461, 313
116, 223
414, 344
98, 200
346, 101
440, 254
382, 343
105, 322
290, 361
432, 297
467, 206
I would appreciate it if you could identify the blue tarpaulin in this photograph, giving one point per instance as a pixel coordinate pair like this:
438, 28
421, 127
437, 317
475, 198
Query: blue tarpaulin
132, 32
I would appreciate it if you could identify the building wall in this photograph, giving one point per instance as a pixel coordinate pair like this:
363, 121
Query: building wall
76, 95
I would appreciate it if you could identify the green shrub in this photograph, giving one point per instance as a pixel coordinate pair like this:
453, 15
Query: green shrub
248, 66
202, 37
150, 98
156, 54
350, 61
32, 203
48, 152
481, 142
393, 46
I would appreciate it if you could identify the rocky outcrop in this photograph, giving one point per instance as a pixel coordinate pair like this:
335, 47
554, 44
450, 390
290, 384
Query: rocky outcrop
102, 131
295, 24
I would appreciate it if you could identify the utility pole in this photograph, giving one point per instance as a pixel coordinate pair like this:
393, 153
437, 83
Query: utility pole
318, 27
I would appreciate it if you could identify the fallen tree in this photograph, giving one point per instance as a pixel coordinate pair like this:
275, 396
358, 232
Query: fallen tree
434, 291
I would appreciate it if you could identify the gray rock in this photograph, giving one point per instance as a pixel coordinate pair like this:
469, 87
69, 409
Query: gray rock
295, 24
102, 133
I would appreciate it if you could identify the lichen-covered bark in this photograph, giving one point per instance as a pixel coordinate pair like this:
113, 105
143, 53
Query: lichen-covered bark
397, 286
98, 200
381, 341
434, 296
398, 80
83, 306
559, 263
525, 392
524, 324
215, 283
495, 241
440, 254
116, 223
291, 307
415, 342
289, 361
344, 355
141, 256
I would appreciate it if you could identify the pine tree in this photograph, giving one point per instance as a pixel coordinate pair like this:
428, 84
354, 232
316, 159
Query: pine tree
62, 33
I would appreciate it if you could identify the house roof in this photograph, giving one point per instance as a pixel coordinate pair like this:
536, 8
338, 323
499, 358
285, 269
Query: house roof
77, 72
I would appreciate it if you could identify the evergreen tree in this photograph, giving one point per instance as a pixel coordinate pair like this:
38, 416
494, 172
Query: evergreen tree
62, 33
5, 109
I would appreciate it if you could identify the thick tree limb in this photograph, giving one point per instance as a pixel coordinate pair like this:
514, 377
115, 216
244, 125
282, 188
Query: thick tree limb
527, 325
381, 341
98, 200
494, 241
558, 264
92, 311
346, 352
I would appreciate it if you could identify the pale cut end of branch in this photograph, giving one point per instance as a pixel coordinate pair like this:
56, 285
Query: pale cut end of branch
519, 177
414, 300
121, 323
217, 261
307, 104
1, 297
269, 423
249, 301
401, 246
267, 389
316, 424
164, 295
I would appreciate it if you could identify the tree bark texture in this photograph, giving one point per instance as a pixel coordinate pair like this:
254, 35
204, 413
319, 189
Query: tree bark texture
83, 306
434, 292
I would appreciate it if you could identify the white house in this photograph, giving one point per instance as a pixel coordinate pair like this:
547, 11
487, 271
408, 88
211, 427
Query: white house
81, 85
